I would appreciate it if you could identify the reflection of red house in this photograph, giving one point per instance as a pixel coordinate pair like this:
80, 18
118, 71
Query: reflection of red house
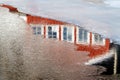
12, 9
50, 28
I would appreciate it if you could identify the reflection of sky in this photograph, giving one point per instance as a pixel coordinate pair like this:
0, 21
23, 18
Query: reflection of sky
98, 17
113, 3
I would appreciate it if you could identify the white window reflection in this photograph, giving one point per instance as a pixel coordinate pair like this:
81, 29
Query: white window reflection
36, 30
67, 33
82, 35
98, 39
51, 32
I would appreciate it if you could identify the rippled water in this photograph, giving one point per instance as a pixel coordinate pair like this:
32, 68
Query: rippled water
36, 61
27, 57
